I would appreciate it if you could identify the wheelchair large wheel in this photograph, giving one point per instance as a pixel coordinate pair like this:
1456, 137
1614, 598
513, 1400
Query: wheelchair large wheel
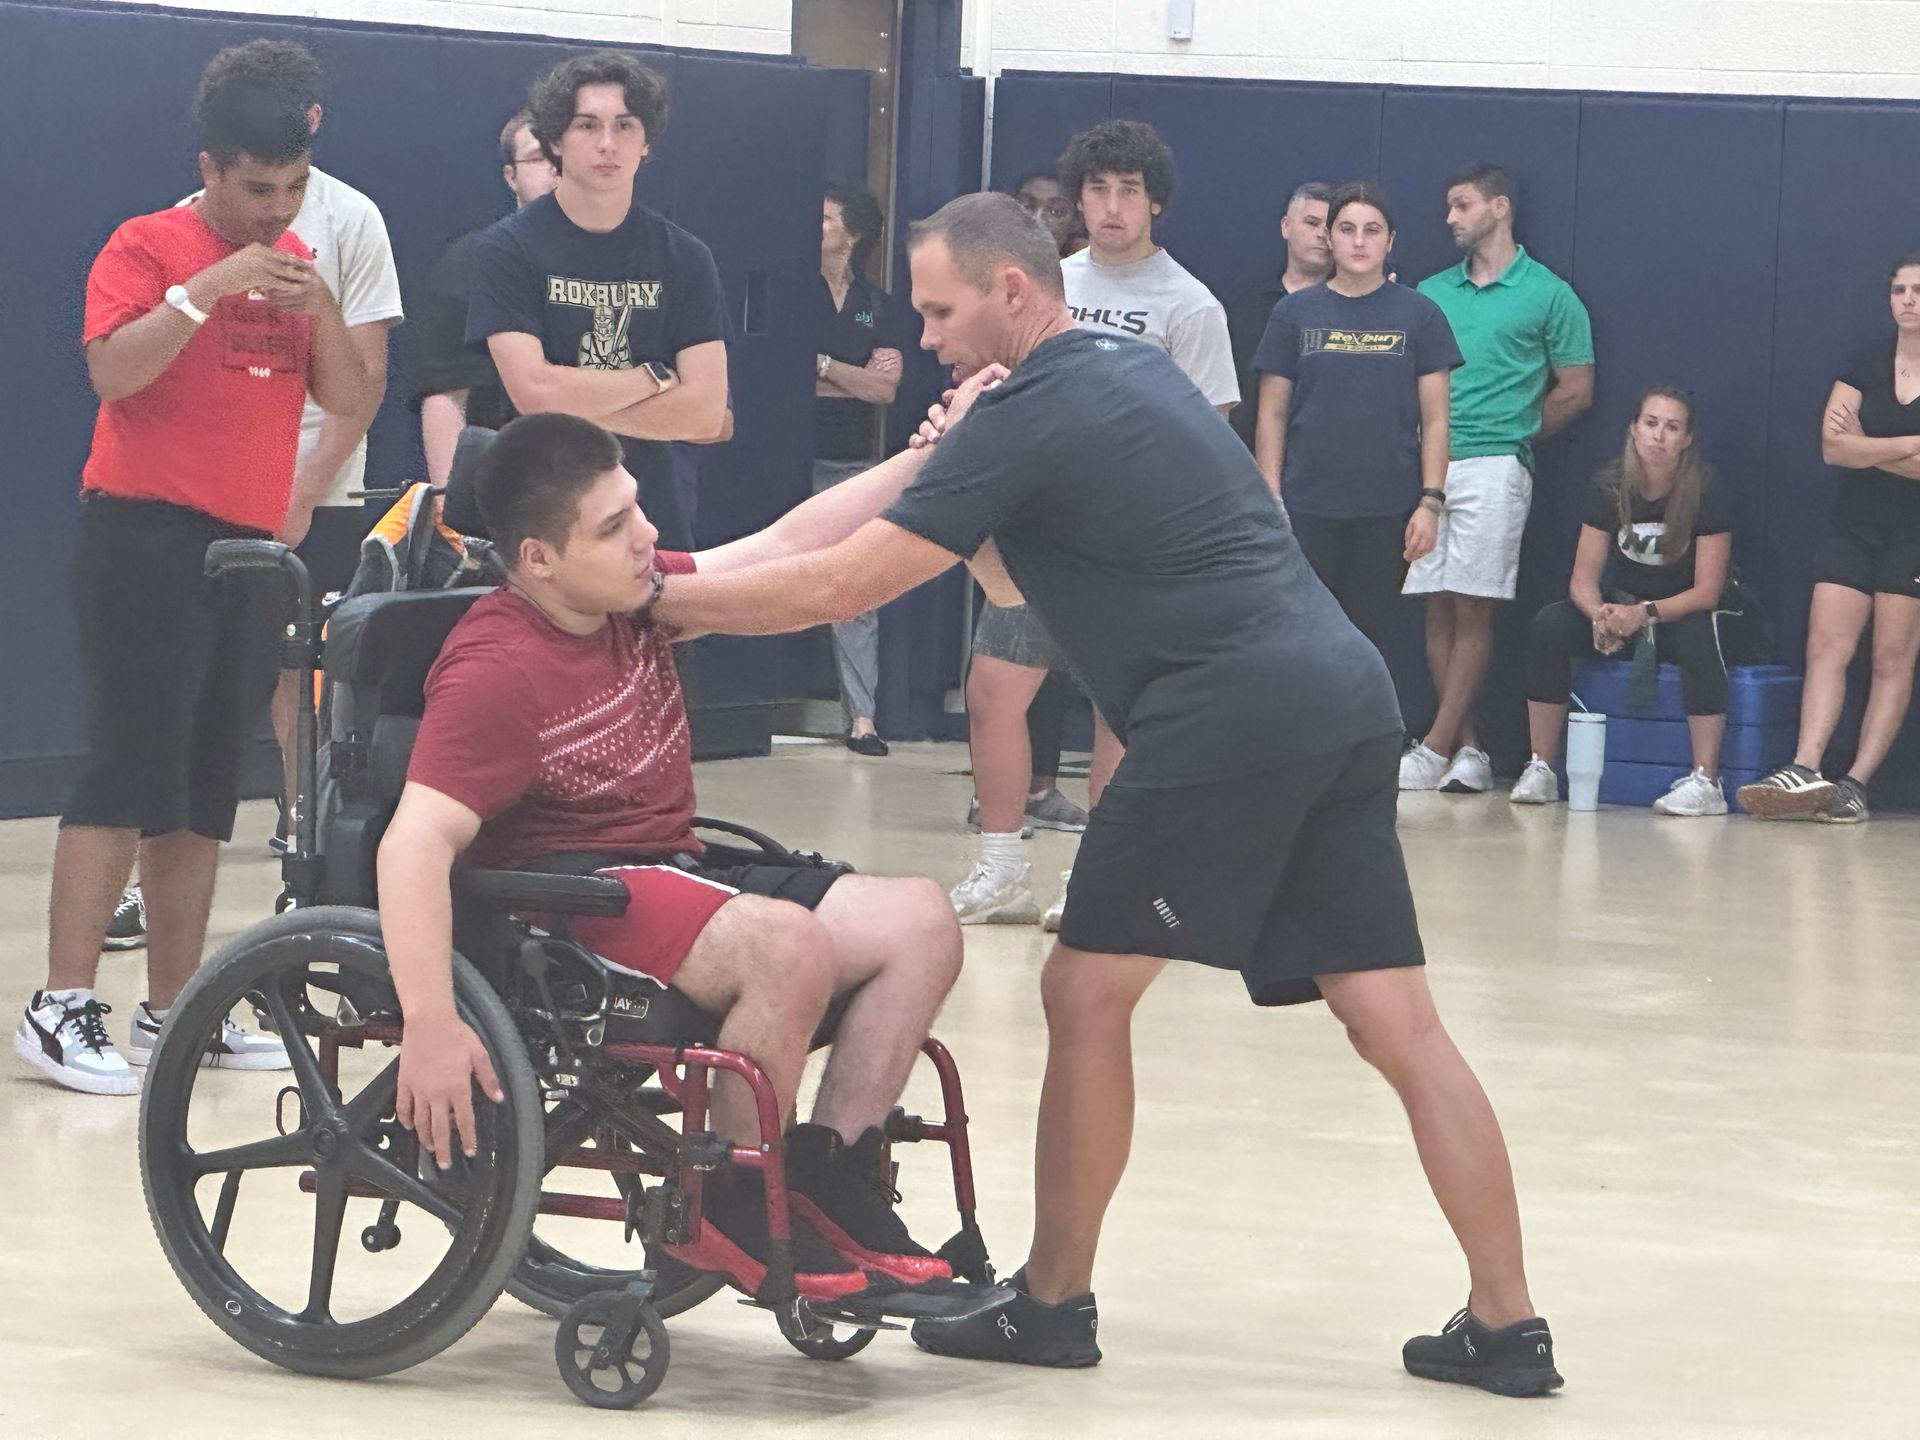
553, 1282
305, 1301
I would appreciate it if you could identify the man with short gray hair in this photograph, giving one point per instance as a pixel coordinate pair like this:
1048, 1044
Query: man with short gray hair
1309, 260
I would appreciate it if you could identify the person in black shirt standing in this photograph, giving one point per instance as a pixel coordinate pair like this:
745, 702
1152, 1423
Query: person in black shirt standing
1250, 708
1656, 546
1303, 231
857, 374
453, 384
1867, 569
1352, 430
592, 304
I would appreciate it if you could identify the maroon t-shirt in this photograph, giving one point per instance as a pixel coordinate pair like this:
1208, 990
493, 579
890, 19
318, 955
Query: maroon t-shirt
559, 742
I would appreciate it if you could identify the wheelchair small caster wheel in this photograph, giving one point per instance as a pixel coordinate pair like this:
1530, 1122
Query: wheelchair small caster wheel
816, 1338
612, 1350
376, 1238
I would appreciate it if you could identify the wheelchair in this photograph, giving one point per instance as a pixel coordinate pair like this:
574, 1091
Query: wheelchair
605, 1073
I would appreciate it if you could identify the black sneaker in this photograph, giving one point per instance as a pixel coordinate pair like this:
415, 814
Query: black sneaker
1848, 806
127, 930
1021, 1332
734, 1203
844, 1194
1516, 1360
1793, 792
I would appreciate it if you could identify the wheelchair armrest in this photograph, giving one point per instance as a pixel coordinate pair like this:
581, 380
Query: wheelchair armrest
531, 890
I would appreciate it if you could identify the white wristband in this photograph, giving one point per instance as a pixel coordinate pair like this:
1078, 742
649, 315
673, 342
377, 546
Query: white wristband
178, 298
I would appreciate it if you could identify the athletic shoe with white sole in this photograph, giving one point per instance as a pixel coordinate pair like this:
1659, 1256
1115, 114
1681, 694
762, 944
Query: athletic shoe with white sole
127, 930
1849, 805
973, 821
1515, 1360
1793, 792
1695, 794
1537, 785
64, 1037
1053, 811
1470, 773
235, 1048
1050, 922
991, 896
1421, 768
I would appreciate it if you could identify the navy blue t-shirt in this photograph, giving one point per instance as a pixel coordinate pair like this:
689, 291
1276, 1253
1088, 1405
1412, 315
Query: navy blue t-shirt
645, 290
1353, 429
1138, 527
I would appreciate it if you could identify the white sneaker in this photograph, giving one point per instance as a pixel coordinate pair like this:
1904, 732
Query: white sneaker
63, 1036
1050, 922
1695, 794
1537, 785
1421, 768
990, 896
237, 1047
1471, 773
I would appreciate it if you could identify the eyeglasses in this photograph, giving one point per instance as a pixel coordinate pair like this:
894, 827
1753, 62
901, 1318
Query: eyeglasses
534, 159
1053, 209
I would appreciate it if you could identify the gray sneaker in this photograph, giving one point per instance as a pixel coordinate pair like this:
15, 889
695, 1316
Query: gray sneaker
996, 897
973, 820
1053, 811
1849, 805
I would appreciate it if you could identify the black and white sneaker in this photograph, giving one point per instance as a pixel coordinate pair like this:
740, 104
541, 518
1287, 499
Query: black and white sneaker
1793, 792
63, 1035
234, 1048
127, 930
1848, 806
1022, 1332
1516, 1360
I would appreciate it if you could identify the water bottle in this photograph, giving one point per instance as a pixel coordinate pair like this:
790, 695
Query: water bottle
1586, 758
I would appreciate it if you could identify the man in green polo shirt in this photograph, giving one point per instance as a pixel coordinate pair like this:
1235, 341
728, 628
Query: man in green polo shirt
1529, 371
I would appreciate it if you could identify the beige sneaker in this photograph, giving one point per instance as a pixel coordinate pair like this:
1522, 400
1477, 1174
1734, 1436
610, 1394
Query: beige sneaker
996, 897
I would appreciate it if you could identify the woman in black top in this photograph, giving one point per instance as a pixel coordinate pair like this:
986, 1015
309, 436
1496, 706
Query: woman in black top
1655, 547
1864, 570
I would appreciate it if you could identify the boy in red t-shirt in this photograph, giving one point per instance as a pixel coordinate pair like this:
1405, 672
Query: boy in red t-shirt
554, 723
206, 329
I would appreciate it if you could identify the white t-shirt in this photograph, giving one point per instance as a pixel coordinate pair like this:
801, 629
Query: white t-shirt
1156, 300
349, 241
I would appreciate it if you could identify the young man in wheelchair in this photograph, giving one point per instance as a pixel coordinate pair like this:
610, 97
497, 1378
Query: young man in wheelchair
555, 726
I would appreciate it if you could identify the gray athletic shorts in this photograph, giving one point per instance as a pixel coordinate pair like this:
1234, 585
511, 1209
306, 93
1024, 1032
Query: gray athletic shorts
1015, 634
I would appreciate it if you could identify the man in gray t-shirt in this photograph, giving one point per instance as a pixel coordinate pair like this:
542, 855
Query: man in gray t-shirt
1120, 173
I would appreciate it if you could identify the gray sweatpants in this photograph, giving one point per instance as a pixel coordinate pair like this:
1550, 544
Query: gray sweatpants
856, 642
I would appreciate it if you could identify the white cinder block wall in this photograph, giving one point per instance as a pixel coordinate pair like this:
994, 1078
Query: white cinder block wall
759, 26
1767, 47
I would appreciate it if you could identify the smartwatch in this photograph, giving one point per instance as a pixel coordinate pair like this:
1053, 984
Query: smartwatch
178, 298
663, 375
1653, 611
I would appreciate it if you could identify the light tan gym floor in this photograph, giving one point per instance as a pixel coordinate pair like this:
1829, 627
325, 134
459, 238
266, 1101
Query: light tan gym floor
1703, 1038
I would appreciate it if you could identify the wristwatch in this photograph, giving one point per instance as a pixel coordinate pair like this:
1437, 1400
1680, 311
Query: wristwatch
1653, 611
178, 298
821, 364
662, 374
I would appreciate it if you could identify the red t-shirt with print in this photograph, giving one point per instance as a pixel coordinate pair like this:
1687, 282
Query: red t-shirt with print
219, 429
560, 743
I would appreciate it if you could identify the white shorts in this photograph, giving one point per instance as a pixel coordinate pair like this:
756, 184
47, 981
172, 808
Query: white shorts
1478, 549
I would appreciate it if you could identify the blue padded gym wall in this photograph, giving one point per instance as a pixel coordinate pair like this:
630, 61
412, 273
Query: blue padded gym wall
1737, 246
411, 118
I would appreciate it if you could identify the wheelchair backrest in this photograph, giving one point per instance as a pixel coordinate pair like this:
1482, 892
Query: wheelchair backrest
379, 649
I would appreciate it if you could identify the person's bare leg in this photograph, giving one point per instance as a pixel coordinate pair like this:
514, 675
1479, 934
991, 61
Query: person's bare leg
1439, 633
1545, 725
1086, 1111
176, 875
1896, 641
1467, 658
1391, 1020
90, 869
896, 944
1706, 733
765, 967
1108, 752
1834, 622
998, 694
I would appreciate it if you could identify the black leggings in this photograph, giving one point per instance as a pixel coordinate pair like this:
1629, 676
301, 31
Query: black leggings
1561, 635
1046, 720
1363, 562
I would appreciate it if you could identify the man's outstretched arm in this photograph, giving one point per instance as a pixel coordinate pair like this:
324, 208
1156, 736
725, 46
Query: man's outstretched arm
825, 520
878, 562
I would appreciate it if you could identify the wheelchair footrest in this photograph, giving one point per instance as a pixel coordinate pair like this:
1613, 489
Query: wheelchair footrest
957, 1302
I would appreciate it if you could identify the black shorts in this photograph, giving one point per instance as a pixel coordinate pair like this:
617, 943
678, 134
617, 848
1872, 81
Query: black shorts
179, 667
1872, 563
331, 551
1282, 875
